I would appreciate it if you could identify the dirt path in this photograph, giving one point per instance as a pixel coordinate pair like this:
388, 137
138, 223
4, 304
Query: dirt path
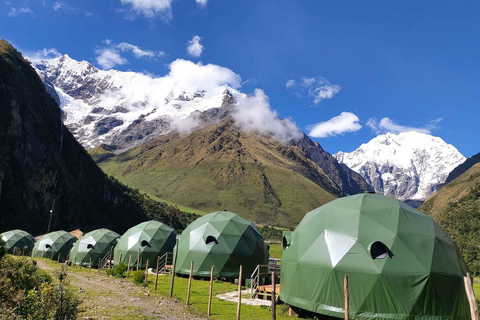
106, 297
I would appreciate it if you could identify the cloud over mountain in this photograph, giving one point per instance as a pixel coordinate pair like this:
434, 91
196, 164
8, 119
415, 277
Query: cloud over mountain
345, 122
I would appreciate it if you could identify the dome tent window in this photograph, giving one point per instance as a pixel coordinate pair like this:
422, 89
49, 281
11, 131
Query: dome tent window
211, 240
379, 250
145, 243
48, 246
90, 246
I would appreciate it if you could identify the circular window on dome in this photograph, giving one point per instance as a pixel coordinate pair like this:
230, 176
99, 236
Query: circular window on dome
48, 246
378, 250
285, 243
145, 243
90, 246
211, 240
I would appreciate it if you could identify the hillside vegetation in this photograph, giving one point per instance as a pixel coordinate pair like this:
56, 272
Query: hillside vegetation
456, 207
220, 167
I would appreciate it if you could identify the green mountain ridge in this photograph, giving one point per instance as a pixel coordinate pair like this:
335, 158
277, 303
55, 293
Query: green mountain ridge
218, 166
456, 208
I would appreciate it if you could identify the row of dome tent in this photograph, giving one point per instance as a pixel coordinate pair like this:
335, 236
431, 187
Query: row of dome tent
221, 238
400, 264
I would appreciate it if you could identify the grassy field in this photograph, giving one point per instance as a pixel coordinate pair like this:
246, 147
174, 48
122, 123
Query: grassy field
276, 250
198, 299
476, 288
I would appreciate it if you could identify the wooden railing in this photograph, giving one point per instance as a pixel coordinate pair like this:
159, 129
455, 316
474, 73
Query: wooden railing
263, 271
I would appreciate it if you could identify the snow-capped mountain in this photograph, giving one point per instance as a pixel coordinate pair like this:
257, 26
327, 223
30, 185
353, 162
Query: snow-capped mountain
125, 109
407, 166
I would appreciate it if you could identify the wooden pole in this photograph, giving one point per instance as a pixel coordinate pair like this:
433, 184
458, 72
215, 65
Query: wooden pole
23, 252
146, 272
90, 264
110, 257
209, 311
274, 311
345, 292
190, 282
128, 267
471, 296
58, 258
239, 293
156, 273
173, 268
52, 255
138, 258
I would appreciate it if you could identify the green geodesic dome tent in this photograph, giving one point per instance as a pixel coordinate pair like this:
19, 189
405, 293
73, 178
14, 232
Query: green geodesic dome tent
54, 245
18, 240
152, 238
92, 246
223, 239
400, 264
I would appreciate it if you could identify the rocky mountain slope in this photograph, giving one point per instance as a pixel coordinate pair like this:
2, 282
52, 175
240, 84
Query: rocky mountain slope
459, 170
219, 166
42, 166
456, 207
125, 109
407, 166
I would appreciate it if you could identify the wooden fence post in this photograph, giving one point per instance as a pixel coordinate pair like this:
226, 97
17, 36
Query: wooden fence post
90, 266
471, 296
58, 258
239, 293
138, 258
345, 292
23, 251
190, 282
156, 275
274, 309
209, 311
110, 257
146, 272
173, 268
128, 267
52, 255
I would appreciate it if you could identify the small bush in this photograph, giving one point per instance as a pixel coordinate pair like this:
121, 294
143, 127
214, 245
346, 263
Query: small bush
118, 271
139, 277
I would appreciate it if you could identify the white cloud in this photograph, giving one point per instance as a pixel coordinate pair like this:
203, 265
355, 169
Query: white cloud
139, 53
16, 11
145, 93
290, 84
109, 58
45, 53
202, 3
151, 8
345, 122
388, 125
57, 6
317, 87
253, 113
194, 47
324, 91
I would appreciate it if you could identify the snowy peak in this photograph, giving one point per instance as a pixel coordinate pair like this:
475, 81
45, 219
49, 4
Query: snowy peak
126, 109
409, 165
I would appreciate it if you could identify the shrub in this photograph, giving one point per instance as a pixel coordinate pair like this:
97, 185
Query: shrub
2, 248
26, 292
139, 277
118, 271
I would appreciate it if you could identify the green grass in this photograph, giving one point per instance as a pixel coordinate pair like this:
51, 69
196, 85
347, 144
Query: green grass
276, 250
198, 298
476, 288
180, 207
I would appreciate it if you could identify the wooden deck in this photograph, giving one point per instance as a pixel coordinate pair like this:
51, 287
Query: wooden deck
265, 292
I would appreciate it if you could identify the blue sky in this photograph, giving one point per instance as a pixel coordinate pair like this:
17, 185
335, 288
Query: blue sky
373, 66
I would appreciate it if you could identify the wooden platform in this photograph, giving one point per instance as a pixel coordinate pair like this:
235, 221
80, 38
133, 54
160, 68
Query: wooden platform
265, 292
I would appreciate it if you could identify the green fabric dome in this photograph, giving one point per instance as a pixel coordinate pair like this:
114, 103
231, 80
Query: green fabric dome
19, 239
400, 264
93, 245
58, 242
152, 238
223, 239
